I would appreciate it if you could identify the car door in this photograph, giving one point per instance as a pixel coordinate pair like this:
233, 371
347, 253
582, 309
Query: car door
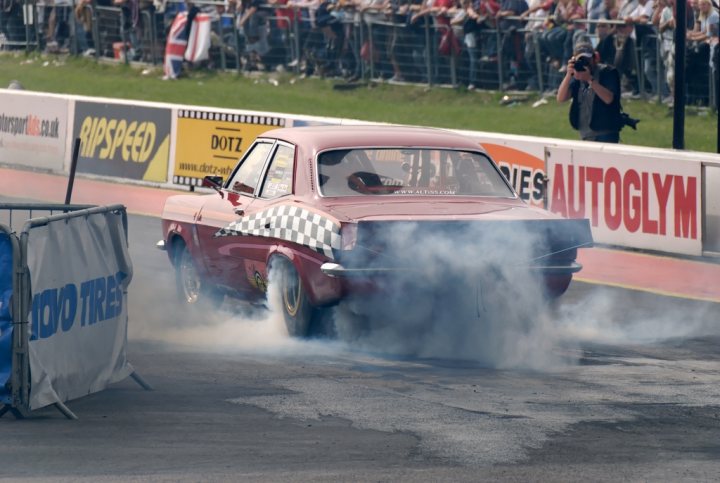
222, 243
275, 190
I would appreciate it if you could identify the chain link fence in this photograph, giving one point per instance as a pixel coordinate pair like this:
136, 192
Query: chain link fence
515, 53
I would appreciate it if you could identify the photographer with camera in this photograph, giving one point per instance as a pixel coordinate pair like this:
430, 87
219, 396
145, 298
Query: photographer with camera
595, 91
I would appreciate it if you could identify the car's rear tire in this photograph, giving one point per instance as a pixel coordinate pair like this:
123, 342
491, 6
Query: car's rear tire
191, 288
296, 307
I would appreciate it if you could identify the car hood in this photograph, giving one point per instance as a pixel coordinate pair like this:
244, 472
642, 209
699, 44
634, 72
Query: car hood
436, 209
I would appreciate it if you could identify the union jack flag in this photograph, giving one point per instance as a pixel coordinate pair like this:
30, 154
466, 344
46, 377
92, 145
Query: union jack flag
175, 47
191, 44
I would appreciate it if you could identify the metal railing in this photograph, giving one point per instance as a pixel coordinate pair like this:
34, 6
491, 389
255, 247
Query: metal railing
370, 45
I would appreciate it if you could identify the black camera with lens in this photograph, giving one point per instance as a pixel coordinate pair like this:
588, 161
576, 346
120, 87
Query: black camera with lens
581, 63
626, 120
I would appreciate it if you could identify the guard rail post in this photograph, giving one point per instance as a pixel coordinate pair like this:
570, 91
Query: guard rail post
712, 82
153, 37
360, 34
19, 368
124, 40
428, 50
538, 61
73, 46
297, 55
371, 48
499, 42
33, 10
95, 29
659, 69
453, 64
221, 40
29, 18
22, 299
238, 45
640, 68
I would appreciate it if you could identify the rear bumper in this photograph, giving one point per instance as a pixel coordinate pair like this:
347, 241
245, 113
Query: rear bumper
336, 270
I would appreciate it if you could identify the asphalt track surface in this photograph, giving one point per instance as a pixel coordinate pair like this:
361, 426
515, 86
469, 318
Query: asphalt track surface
629, 388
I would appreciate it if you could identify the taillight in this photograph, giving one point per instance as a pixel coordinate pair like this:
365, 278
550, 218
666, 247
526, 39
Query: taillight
348, 235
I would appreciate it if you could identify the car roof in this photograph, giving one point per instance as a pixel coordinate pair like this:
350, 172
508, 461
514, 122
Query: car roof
320, 138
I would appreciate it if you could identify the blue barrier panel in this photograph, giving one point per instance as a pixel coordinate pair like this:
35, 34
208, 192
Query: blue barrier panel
5, 317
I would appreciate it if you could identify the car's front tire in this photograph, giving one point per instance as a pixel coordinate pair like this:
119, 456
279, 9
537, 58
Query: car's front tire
191, 288
296, 307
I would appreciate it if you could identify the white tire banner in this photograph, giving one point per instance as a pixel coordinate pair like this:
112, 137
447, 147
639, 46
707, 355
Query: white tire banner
650, 202
79, 271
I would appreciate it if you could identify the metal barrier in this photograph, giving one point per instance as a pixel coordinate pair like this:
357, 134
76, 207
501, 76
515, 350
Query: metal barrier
11, 214
18, 382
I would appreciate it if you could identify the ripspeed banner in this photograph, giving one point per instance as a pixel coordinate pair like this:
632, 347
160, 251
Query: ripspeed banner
79, 271
33, 129
651, 203
211, 143
123, 141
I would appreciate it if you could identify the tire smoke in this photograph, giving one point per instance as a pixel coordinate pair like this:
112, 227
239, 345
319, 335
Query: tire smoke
467, 296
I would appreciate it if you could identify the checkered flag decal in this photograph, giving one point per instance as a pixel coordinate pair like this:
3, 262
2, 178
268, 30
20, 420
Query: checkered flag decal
289, 223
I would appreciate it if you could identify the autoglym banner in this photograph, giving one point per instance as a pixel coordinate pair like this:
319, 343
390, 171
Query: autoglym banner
650, 202
79, 270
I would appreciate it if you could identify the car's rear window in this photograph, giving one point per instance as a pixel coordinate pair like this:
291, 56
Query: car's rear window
410, 172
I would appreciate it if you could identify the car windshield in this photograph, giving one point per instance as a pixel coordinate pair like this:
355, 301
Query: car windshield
410, 172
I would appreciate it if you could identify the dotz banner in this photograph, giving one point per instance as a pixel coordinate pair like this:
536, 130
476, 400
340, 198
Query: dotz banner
123, 141
211, 143
80, 269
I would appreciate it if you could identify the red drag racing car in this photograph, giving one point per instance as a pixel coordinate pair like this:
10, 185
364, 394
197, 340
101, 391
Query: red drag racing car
335, 208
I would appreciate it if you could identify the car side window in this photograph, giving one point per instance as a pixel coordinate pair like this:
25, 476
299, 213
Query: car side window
247, 176
278, 181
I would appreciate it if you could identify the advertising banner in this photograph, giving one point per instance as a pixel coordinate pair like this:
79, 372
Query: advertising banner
712, 208
649, 202
526, 172
33, 130
6, 289
79, 271
522, 162
123, 141
211, 143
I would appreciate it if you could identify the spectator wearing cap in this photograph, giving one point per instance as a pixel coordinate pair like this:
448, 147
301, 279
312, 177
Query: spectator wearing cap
595, 92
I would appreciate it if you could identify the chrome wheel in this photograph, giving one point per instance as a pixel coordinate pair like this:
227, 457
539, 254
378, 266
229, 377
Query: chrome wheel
291, 291
188, 280
297, 310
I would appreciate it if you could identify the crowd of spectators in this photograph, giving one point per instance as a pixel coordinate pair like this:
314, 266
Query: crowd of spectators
523, 44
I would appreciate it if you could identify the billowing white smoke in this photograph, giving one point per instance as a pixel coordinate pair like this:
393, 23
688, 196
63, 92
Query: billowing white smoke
611, 316
468, 296
228, 327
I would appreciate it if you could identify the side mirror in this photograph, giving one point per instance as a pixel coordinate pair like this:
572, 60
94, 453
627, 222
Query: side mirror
214, 182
